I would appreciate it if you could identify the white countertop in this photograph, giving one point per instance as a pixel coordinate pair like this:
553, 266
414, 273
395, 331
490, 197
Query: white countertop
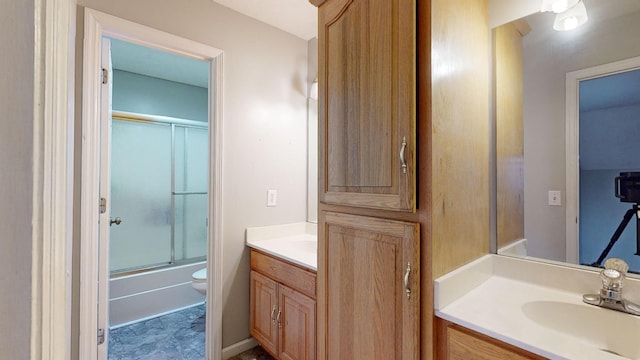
296, 243
537, 307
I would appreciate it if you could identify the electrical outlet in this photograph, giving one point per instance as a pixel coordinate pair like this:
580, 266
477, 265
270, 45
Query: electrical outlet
555, 198
272, 197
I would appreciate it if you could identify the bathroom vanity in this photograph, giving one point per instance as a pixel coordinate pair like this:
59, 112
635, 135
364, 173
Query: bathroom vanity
517, 308
283, 289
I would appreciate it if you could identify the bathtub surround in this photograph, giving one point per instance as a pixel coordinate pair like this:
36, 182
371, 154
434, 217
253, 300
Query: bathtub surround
139, 296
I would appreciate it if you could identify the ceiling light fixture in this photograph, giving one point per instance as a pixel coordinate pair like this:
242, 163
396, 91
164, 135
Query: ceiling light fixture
572, 18
557, 6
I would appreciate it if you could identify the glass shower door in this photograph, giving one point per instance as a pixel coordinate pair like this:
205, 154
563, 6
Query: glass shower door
190, 193
140, 195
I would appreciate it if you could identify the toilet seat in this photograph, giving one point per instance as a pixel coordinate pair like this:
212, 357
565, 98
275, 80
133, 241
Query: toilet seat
199, 276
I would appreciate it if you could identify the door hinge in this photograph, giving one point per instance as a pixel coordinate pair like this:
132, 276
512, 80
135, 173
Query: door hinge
105, 76
103, 205
100, 336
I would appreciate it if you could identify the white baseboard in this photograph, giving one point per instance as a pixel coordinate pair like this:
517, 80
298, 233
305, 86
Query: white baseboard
237, 348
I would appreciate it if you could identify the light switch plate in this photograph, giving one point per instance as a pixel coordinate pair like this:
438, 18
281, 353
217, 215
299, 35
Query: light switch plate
555, 198
272, 197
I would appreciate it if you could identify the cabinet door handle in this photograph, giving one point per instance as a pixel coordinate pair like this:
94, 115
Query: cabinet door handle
278, 318
407, 290
273, 315
402, 159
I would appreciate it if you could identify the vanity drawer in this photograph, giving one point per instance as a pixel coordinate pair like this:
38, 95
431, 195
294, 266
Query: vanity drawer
284, 272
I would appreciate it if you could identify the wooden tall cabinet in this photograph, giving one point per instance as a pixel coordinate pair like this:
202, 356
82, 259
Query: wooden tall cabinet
403, 167
366, 55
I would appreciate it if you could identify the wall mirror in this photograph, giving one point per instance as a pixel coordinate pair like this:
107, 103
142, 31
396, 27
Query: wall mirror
554, 182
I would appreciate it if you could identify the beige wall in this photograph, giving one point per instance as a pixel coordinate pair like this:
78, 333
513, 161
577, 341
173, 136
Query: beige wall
265, 90
312, 61
504, 11
16, 185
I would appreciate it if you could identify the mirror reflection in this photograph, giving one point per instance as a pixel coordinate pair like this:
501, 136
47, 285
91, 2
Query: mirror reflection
567, 113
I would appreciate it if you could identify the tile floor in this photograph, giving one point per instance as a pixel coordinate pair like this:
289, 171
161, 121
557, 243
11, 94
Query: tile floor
176, 336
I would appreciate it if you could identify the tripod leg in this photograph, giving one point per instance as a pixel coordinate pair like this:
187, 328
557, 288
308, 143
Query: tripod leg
637, 234
625, 220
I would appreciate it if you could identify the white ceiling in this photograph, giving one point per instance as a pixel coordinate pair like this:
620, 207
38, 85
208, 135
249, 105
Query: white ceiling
297, 17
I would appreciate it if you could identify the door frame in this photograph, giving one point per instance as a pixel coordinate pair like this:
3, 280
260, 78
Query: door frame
572, 113
97, 25
53, 168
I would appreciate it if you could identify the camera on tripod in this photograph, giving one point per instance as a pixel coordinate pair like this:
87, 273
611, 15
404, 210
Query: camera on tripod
627, 187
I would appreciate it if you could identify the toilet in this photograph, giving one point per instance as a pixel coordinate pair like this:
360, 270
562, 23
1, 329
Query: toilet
199, 281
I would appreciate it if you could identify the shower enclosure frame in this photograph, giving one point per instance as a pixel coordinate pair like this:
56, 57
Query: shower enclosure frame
172, 122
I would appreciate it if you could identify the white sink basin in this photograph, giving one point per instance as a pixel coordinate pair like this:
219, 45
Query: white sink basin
611, 331
301, 249
304, 245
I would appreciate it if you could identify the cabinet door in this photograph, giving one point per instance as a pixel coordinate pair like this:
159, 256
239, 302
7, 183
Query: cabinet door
369, 296
263, 312
367, 103
297, 335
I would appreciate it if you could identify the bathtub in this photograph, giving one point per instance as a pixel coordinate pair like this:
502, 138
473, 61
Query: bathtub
148, 294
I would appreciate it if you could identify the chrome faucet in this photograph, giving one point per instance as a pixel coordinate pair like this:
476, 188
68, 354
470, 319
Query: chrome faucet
610, 296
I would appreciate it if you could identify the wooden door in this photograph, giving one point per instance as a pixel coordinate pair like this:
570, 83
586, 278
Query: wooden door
369, 300
367, 102
297, 336
263, 312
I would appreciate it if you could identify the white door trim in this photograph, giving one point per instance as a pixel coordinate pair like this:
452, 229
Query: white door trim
572, 142
105, 192
97, 25
52, 231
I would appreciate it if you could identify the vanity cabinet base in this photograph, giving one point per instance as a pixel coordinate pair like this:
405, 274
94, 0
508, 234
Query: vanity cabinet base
454, 342
283, 308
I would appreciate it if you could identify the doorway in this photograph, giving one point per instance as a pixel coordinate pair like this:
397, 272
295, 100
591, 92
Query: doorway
595, 153
96, 202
